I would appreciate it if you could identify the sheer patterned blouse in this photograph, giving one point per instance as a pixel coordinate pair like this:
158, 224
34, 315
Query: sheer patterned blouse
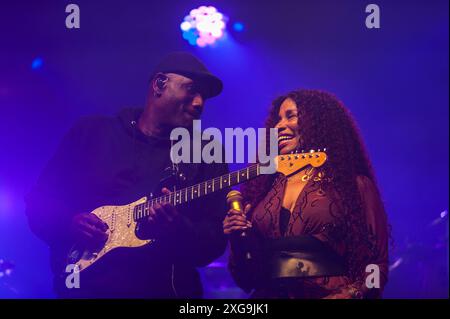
316, 214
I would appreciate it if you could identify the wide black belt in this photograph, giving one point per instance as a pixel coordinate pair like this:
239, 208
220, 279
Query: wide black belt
303, 256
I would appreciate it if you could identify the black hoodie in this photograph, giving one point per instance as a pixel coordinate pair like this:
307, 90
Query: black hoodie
108, 161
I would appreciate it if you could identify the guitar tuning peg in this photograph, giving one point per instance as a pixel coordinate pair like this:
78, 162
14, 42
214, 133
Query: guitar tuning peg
311, 151
318, 150
324, 149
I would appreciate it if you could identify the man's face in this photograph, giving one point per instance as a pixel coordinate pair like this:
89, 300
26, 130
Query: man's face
181, 101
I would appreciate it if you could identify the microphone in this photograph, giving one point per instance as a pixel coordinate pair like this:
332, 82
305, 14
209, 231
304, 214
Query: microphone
234, 201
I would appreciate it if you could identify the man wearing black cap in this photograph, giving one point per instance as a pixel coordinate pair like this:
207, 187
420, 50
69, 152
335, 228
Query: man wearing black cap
180, 84
115, 161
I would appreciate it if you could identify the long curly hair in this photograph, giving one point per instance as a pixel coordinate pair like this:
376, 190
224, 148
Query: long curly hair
324, 122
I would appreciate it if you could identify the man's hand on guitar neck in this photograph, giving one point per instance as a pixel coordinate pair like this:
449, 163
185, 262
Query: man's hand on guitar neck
163, 219
162, 214
88, 229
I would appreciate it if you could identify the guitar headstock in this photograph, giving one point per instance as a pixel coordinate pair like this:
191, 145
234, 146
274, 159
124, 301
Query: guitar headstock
290, 163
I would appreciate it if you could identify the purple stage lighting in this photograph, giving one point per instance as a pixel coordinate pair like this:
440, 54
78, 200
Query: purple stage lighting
203, 26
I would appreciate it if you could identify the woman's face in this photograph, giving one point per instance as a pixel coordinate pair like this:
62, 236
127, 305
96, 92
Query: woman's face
288, 136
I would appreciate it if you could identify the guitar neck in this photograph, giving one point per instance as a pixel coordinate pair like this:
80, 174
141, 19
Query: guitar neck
190, 193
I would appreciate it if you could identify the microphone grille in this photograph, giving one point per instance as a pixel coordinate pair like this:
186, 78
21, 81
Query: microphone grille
234, 196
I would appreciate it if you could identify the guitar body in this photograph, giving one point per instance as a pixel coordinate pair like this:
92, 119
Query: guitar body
121, 233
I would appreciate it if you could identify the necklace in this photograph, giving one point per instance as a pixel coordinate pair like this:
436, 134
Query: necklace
308, 174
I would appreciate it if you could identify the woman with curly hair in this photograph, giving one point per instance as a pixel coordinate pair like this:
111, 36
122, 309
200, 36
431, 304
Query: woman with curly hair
322, 232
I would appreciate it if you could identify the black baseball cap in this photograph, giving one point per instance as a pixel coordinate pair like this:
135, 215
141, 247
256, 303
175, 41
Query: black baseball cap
186, 64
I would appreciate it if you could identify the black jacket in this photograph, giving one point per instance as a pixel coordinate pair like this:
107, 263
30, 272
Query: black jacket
108, 161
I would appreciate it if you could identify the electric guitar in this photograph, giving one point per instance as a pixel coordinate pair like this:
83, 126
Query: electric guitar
122, 220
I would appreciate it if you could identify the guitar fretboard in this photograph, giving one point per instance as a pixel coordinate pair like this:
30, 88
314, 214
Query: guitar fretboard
190, 193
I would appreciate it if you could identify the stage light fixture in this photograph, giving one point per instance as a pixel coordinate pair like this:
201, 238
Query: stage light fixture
203, 26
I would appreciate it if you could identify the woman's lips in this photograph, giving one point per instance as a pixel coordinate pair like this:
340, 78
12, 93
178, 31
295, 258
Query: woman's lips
284, 143
285, 140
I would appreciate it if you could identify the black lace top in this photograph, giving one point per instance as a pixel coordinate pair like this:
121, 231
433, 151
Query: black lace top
315, 213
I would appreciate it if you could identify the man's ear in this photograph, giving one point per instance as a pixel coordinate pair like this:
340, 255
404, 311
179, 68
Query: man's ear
159, 83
